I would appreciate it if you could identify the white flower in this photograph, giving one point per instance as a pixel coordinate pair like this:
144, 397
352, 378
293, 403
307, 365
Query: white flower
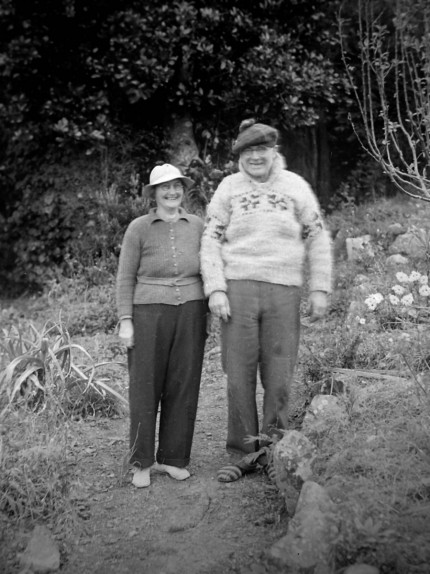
407, 300
424, 280
373, 301
402, 277
424, 291
378, 298
362, 321
414, 276
393, 299
398, 289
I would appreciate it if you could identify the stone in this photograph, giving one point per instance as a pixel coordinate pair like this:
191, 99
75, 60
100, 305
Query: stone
293, 456
41, 554
396, 260
308, 547
361, 569
395, 229
356, 247
324, 412
413, 243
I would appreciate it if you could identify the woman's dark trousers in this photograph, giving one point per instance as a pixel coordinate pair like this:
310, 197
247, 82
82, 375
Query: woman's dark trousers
165, 367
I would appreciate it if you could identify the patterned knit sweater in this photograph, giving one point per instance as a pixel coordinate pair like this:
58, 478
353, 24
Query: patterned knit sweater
264, 232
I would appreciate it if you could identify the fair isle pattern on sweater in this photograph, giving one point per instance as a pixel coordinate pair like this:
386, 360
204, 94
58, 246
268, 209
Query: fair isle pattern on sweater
265, 232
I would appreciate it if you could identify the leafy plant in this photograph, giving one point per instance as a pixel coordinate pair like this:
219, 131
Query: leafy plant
42, 372
77, 230
271, 59
36, 478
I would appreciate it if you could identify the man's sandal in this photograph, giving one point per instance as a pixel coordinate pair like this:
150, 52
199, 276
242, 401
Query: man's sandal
233, 472
229, 473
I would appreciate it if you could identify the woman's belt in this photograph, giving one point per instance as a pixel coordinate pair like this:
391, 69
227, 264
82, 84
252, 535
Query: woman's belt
169, 281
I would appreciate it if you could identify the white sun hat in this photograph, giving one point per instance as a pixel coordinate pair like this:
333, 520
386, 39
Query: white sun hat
164, 173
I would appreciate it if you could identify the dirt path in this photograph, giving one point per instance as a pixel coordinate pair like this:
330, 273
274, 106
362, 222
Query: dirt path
198, 526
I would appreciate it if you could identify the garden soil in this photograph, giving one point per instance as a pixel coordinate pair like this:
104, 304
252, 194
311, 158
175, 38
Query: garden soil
196, 526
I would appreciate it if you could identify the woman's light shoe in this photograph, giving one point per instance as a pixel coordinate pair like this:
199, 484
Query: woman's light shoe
141, 478
173, 471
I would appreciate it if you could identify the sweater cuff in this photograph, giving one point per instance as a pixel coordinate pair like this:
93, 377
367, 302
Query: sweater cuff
320, 285
209, 288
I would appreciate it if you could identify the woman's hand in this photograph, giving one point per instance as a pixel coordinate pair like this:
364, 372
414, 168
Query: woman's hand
318, 303
219, 305
126, 332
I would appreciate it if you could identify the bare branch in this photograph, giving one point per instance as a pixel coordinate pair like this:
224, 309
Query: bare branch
393, 95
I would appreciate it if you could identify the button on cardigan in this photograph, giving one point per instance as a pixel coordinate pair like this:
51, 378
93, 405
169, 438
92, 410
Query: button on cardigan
159, 262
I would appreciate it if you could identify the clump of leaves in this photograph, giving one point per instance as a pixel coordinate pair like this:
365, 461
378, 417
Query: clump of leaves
42, 371
342, 353
93, 321
36, 478
89, 304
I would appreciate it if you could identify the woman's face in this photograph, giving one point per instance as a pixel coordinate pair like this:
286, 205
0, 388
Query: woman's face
257, 161
169, 195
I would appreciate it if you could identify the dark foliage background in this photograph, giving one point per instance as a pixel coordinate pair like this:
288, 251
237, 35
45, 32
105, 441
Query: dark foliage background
91, 89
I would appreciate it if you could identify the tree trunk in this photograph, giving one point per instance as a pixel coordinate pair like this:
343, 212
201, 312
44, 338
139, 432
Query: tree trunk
183, 148
300, 153
307, 153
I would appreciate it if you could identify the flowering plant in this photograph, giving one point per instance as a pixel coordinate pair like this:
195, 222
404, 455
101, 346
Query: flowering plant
407, 300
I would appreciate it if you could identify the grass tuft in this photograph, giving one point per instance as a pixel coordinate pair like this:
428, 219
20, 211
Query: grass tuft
36, 470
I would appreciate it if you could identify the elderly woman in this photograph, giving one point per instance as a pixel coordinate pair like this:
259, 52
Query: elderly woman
261, 223
162, 311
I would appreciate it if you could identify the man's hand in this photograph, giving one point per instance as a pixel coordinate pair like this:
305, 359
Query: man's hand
219, 305
126, 332
318, 303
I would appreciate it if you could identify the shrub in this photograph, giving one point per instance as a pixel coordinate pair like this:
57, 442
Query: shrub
87, 301
68, 207
42, 372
